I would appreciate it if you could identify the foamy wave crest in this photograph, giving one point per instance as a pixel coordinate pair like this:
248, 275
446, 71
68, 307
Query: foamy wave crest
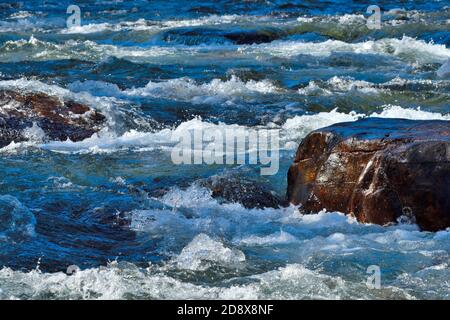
294, 129
291, 132
109, 95
120, 281
407, 48
392, 111
203, 251
281, 237
107, 141
38, 50
298, 127
185, 89
154, 26
338, 85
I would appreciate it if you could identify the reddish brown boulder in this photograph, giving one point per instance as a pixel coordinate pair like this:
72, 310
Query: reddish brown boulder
58, 119
377, 170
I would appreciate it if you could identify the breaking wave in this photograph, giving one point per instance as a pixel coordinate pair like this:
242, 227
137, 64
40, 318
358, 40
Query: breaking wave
412, 50
185, 89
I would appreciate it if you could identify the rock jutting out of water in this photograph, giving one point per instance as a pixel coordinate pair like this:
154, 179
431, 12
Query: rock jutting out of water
379, 170
46, 116
246, 192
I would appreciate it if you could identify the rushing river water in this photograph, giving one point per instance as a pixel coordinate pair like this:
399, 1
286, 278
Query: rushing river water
139, 226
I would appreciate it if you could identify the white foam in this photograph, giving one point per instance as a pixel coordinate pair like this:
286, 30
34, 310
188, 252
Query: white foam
113, 282
107, 141
154, 26
21, 14
21, 23
202, 251
409, 49
336, 85
392, 111
120, 281
37, 50
185, 89
294, 129
299, 126
109, 95
62, 183
91, 28
291, 132
281, 237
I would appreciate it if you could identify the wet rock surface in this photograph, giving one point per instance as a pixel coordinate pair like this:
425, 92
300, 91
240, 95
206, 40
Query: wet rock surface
379, 170
246, 192
46, 115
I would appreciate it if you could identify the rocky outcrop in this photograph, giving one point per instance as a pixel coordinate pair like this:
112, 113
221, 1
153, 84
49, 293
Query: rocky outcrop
378, 170
59, 120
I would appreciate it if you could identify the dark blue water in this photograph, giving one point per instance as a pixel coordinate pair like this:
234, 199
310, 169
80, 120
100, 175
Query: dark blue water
139, 226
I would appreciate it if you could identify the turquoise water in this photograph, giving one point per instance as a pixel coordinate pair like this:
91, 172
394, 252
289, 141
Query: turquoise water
139, 226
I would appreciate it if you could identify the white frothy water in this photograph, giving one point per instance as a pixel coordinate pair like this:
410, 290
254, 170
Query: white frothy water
326, 237
185, 89
291, 132
409, 49
156, 26
412, 50
202, 249
126, 281
108, 96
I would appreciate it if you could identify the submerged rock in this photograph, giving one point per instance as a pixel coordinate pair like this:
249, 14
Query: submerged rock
203, 35
254, 36
21, 113
246, 192
379, 170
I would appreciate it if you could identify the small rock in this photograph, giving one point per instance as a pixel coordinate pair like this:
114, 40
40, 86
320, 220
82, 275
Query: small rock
246, 192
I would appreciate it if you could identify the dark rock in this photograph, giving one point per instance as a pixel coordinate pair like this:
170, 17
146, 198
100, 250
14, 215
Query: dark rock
246, 192
254, 36
378, 170
202, 35
58, 119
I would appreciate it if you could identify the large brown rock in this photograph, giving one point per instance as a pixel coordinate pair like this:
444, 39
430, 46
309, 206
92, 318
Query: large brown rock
377, 170
58, 119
